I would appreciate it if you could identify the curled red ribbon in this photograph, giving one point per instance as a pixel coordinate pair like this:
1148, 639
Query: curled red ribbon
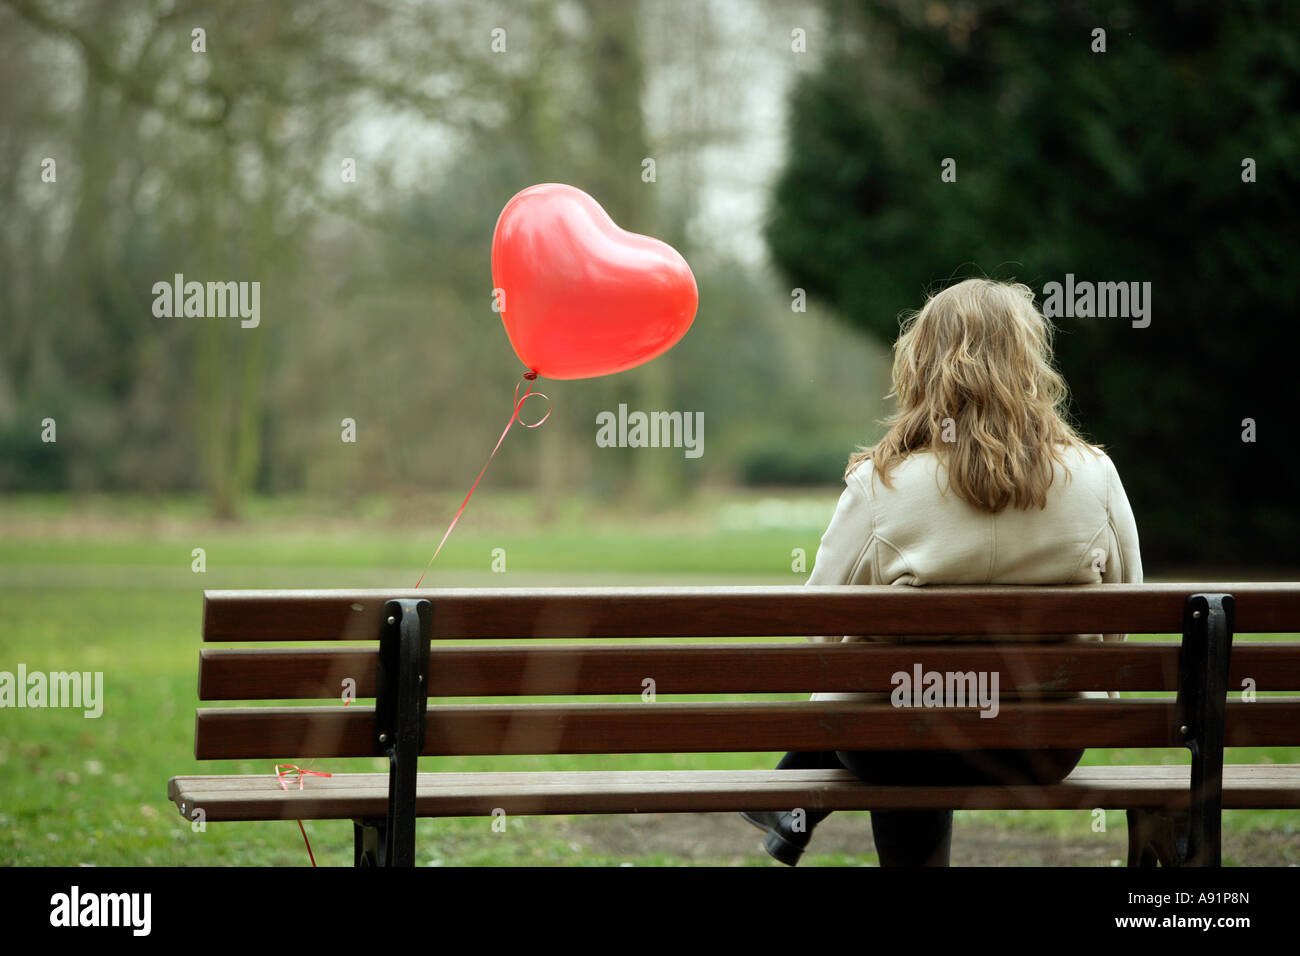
529, 377
283, 770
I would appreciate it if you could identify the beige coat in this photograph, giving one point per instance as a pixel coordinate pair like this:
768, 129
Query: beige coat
917, 534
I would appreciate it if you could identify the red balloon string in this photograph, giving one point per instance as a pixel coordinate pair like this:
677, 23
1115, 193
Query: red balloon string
530, 377
288, 770
283, 770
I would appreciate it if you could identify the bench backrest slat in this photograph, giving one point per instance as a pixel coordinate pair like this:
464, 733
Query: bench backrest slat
568, 613
507, 671
250, 733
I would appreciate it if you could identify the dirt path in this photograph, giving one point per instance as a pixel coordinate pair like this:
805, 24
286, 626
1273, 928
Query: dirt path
726, 839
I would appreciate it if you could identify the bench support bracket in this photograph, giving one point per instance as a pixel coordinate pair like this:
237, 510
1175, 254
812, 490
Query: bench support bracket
1193, 837
401, 702
369, 842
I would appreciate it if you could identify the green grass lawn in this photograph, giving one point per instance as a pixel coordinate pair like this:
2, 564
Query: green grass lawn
109, 587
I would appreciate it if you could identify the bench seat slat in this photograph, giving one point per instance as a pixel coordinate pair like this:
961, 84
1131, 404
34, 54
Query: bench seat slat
461, 613
284, 732
318, 673
343, 796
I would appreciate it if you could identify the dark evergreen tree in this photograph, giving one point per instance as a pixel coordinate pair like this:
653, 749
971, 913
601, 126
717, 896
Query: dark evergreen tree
1123, 165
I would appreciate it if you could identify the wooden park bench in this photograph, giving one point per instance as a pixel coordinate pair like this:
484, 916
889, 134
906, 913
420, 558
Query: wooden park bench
437, 643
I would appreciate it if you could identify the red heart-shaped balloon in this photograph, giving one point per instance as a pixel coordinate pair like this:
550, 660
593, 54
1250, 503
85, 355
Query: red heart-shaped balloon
579, 296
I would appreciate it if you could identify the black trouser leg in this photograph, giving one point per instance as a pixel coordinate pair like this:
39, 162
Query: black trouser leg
812, 760
912, 837
924, 837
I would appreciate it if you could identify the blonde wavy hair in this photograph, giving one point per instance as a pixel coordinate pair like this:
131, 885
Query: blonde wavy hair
977, 386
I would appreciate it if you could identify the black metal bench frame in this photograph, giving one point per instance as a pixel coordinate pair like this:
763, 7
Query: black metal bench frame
1193, 838
401, 703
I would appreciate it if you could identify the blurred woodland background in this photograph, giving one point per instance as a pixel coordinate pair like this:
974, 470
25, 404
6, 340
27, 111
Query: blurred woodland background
796, 146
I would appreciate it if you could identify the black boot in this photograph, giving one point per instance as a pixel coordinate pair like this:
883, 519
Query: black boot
782, 843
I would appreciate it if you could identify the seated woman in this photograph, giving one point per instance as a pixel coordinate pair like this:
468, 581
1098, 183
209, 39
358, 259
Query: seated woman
978, 480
